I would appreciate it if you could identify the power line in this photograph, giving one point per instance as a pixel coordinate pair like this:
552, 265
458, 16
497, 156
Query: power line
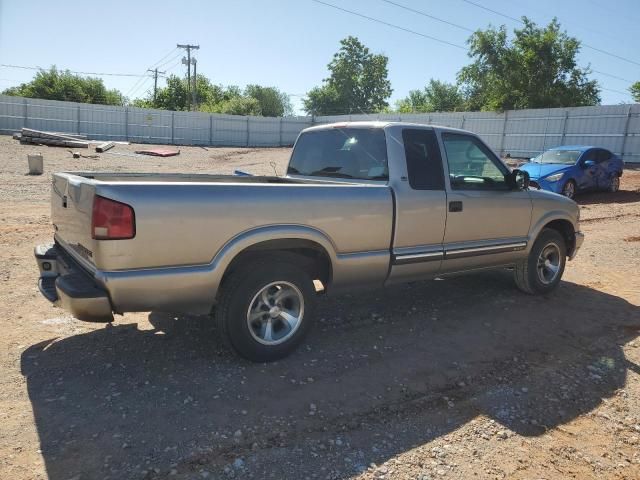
616, 91
612, 76
591, 47
397, 27
424, 14
73, 71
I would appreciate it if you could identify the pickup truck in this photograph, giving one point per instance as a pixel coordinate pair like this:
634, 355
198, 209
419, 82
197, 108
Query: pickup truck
362, 205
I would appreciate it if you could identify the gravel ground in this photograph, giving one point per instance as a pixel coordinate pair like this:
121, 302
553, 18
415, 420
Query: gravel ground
457, 378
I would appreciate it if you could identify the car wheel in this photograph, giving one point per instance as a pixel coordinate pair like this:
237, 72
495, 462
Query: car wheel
569, 189
542, 270
614, 183
265, 309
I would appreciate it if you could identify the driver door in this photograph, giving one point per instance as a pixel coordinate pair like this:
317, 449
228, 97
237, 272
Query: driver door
487, 222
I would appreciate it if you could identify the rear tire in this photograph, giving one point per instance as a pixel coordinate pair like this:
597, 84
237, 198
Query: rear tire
542, 270
569, 189
266, 309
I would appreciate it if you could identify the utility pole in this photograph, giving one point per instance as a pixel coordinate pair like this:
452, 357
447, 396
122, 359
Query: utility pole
155, 82
187, 60
195, 84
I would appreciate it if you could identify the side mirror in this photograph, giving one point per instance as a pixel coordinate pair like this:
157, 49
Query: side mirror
518, 180
588, 163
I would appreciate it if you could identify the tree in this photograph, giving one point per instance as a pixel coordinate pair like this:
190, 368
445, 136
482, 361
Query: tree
357, 83
254, 100
437, 96
635, 91
537, 69
54, 84
273, 102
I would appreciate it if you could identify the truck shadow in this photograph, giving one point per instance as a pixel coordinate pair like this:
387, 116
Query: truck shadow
383, 372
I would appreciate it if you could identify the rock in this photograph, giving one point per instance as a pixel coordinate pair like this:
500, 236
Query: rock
238, 463
237, 434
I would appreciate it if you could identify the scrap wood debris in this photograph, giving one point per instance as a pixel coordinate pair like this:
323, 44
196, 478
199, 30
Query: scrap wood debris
38, 137
159, 152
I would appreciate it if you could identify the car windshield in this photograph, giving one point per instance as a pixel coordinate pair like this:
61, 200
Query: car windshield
358, 153
564, 157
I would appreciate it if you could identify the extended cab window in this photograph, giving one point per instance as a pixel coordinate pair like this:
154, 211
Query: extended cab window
472, 166
424, 164
359, 153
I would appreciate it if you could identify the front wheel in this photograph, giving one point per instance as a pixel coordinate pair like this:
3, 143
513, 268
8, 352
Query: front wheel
265, 309
614, 183
542, 270
569, 189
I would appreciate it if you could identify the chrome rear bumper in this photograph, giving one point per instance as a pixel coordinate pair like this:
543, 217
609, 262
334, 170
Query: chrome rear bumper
67, 285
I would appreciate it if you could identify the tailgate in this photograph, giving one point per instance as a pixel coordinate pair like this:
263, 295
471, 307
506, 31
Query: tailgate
71, 208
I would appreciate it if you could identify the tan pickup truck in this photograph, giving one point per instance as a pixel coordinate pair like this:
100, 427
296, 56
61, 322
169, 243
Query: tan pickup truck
363, 205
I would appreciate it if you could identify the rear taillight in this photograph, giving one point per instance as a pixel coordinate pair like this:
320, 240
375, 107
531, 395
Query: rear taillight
112, 220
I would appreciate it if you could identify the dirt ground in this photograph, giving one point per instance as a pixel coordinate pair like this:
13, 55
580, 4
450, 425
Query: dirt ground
457, 378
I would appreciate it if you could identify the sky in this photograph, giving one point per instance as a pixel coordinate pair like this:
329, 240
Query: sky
288, 43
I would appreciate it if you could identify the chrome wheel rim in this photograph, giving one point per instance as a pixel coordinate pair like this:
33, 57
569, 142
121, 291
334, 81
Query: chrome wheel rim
615, 184
569, 190
549, 263
275, 313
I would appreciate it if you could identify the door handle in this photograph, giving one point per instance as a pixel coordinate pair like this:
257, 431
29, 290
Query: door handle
455, 206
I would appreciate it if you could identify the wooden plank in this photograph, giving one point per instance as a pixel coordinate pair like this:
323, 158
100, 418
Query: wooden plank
103, 147
40, 134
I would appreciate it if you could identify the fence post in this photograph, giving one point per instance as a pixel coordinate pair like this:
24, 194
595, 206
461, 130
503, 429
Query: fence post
462, 122
504, 132
280, 142
564, 126
546, 127
126, 123
248, 130
210, 129
25, 112
626, 134
78, 119
173, 135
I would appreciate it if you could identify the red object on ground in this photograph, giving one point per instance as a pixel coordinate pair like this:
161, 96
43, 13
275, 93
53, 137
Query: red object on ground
159, 152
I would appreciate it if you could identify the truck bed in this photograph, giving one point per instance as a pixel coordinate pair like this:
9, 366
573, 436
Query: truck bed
186, 219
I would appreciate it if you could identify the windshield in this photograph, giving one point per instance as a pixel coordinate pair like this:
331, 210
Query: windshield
359, 153
564, 157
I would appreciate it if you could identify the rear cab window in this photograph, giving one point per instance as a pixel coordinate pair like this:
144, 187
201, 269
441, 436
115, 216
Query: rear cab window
358, 153
424, 163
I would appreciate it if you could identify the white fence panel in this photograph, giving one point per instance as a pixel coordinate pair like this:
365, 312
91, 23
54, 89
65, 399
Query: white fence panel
103, 122
520, 133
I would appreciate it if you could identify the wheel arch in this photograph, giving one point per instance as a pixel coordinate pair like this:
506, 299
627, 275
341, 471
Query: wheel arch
563, 226
307, 247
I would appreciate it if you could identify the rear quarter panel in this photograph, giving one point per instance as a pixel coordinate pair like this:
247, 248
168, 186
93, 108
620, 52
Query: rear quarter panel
188, 224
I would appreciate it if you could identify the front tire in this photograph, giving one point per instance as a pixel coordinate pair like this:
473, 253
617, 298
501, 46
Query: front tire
266, 309
569, 189
542, 270
614, 183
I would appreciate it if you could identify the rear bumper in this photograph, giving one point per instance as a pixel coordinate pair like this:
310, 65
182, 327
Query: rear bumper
64, 283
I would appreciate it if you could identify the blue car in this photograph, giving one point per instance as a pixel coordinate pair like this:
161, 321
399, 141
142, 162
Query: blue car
575, 168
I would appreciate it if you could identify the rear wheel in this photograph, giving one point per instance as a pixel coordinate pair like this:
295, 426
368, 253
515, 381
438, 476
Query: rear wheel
542, 270
569, 189
614, 183
265, 309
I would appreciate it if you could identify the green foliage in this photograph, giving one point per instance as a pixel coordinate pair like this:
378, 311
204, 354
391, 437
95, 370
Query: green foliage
537, 69
254, 100
357, 84
635, 91
54, 84
272, 102
437, 96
